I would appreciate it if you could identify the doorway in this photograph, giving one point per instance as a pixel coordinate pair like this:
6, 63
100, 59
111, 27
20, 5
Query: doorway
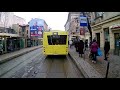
98, 38
117, 43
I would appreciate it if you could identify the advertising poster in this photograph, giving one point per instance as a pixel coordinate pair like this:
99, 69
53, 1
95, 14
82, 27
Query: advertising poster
82, 31
36, 28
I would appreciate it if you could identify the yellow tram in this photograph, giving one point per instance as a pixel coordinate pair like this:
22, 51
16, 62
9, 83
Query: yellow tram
55, 43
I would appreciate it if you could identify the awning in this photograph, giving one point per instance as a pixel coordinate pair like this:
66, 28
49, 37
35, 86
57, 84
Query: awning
116, 26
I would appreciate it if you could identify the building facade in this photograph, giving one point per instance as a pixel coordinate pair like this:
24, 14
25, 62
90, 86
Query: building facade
73, 26
106, 25
9, 33
37, 27
8, 18
24, 34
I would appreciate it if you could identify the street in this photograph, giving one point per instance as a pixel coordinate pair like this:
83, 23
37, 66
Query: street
35, 65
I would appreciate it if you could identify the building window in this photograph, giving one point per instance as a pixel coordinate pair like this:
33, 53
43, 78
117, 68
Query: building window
27, 31
96, 14
106, 33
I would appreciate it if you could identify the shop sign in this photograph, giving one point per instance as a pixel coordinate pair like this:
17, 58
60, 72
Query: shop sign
82, 31
115, 26
83, 21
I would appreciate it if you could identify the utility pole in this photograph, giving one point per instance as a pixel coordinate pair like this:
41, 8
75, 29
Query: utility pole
84, 36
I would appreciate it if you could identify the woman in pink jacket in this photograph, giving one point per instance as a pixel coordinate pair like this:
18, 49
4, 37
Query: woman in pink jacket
94, 48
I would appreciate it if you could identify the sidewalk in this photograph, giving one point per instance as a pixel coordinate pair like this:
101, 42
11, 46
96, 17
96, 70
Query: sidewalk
9, 56
87, 70
100, 67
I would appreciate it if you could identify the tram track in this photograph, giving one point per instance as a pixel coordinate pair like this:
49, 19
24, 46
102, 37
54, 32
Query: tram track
61, 67
40, 66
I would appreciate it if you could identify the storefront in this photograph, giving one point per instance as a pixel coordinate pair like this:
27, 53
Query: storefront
28, 42
13, 44
3, 39
116, 33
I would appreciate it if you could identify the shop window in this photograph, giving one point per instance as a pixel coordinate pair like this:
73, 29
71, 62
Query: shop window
27, 31
106, 34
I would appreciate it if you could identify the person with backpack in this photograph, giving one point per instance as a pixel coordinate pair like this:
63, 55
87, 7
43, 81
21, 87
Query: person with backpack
94, 47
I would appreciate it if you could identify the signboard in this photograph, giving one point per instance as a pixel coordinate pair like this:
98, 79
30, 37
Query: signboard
115, 26
36, 28
83, 21
82, 31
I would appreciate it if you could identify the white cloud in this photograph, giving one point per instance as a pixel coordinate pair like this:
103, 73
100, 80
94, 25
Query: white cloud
55, 20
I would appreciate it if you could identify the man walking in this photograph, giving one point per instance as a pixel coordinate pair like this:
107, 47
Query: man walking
106, 48
80, 48
86, 44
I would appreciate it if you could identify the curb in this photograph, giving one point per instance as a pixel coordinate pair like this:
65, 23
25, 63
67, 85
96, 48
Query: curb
20, 54
85, 72
80, 68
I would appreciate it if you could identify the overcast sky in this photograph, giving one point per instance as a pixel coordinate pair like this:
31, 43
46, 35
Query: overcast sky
55, 20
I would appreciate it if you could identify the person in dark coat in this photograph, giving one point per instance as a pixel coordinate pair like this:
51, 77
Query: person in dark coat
76, 44
106, 48
86, 44
80, 47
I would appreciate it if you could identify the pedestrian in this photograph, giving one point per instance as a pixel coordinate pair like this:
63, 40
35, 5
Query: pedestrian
80, 47
70, 43
94, 48
76, 44
1, 48
90, 53
106, 48
86, 44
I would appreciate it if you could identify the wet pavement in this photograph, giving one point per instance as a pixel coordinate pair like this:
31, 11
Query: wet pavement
35, 65
12, 55
101, 65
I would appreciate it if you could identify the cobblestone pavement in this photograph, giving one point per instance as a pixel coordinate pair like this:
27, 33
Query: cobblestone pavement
35, 65
101, 65
87, 70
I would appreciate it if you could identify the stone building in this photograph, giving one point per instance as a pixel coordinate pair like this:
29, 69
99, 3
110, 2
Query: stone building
107, 25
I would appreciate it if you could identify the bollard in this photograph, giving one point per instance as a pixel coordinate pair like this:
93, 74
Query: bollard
84, 54
107, 69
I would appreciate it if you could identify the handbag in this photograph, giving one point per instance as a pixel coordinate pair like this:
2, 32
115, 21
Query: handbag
99, 52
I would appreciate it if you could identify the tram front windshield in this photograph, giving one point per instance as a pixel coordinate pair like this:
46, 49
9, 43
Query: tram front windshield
57, 39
